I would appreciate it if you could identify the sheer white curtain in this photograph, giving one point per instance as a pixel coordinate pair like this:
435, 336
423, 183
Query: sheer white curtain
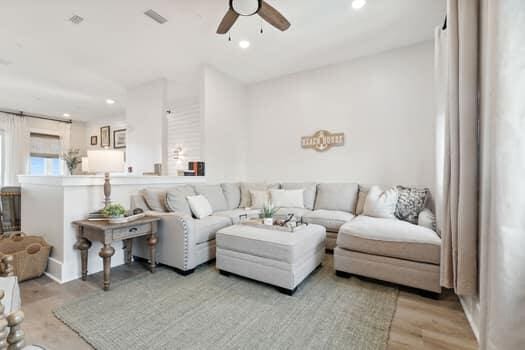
16, 153
502, 289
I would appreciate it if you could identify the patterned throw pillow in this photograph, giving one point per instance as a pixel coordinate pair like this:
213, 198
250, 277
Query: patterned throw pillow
410, 203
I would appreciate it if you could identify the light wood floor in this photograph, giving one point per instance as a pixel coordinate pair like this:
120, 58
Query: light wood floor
419, 322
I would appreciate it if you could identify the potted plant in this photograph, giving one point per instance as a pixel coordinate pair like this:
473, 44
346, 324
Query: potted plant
72, 159
115, 213
268, 212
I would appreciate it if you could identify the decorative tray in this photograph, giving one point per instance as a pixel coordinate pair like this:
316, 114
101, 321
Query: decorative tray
258, 224
119, 220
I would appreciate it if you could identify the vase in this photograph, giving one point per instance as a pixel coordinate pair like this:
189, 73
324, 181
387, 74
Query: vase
268, 221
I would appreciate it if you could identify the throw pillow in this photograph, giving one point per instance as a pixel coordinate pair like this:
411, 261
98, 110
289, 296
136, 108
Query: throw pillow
214, 195
410, 203
154, 199
381, 204
176, 199
287, 198
246, 198
361, 198
200, 206
259, 198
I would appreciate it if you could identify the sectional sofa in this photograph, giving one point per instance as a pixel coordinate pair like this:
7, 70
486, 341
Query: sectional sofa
388, 249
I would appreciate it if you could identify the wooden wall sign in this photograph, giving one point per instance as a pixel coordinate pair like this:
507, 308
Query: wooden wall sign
323, 140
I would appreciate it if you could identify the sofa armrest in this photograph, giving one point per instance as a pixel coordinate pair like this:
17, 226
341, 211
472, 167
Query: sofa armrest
427, 219
177, 239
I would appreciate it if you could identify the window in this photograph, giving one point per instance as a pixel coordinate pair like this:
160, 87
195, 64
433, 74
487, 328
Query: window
45, 155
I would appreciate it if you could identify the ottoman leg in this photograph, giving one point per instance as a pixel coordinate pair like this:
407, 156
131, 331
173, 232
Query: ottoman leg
286, 291
183, 272
342, 274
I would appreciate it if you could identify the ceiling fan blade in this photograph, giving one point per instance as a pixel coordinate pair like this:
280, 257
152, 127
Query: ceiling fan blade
274, 17
227, 22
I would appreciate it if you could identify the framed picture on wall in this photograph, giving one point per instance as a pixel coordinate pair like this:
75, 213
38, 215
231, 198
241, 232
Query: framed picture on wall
94, 140
119, 138
105, 136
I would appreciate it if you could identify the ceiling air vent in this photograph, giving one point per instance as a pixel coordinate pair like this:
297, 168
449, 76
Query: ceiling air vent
155, 16
76, 19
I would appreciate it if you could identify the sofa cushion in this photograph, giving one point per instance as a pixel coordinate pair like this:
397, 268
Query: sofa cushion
234, 214
155, 199
282, 213
246, 187
310, 189
336, 196
287, 198
381, 204
391, 238
176, 199
331, 219
214, 195
206, 228
232, 193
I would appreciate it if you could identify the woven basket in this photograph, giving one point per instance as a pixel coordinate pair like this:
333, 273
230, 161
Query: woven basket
30, 254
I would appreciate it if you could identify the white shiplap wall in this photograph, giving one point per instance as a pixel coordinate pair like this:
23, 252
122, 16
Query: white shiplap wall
184, 129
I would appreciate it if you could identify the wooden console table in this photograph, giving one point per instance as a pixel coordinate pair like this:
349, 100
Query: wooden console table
107, 233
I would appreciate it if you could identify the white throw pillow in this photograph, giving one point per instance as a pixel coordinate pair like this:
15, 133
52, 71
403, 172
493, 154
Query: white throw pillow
288, 198
200, 206
381, 204
259, 198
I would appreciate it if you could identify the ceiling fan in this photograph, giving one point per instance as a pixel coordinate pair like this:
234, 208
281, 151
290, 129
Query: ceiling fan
250, 8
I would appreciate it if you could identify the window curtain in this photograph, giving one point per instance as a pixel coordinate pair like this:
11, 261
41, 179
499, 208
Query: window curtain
16, 152
502, 272
457, 185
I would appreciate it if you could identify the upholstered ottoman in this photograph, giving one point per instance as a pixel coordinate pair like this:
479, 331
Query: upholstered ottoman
282, 259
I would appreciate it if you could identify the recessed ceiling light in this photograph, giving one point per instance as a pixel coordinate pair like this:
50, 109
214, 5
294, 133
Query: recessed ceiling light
358, 4
244, 44
66, 115
110, 101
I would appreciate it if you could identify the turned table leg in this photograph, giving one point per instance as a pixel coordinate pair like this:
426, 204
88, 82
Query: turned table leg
128, 250
83, 245
16, 336
106, 252
152, 242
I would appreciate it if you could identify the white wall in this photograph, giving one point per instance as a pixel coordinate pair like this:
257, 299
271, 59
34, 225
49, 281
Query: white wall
224, 117
78, 136
383, 104
146, 122
185, 131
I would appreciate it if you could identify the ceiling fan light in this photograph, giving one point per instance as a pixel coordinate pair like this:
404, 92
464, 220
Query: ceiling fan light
244, 44
245, 7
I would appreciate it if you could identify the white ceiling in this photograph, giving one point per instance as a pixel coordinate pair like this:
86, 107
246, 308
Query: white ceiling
54, 66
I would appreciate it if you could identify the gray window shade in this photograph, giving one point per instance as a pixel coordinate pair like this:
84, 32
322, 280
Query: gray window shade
184, 130
45, 146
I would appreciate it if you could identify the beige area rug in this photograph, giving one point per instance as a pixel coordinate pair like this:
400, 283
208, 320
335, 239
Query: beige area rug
209, 311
